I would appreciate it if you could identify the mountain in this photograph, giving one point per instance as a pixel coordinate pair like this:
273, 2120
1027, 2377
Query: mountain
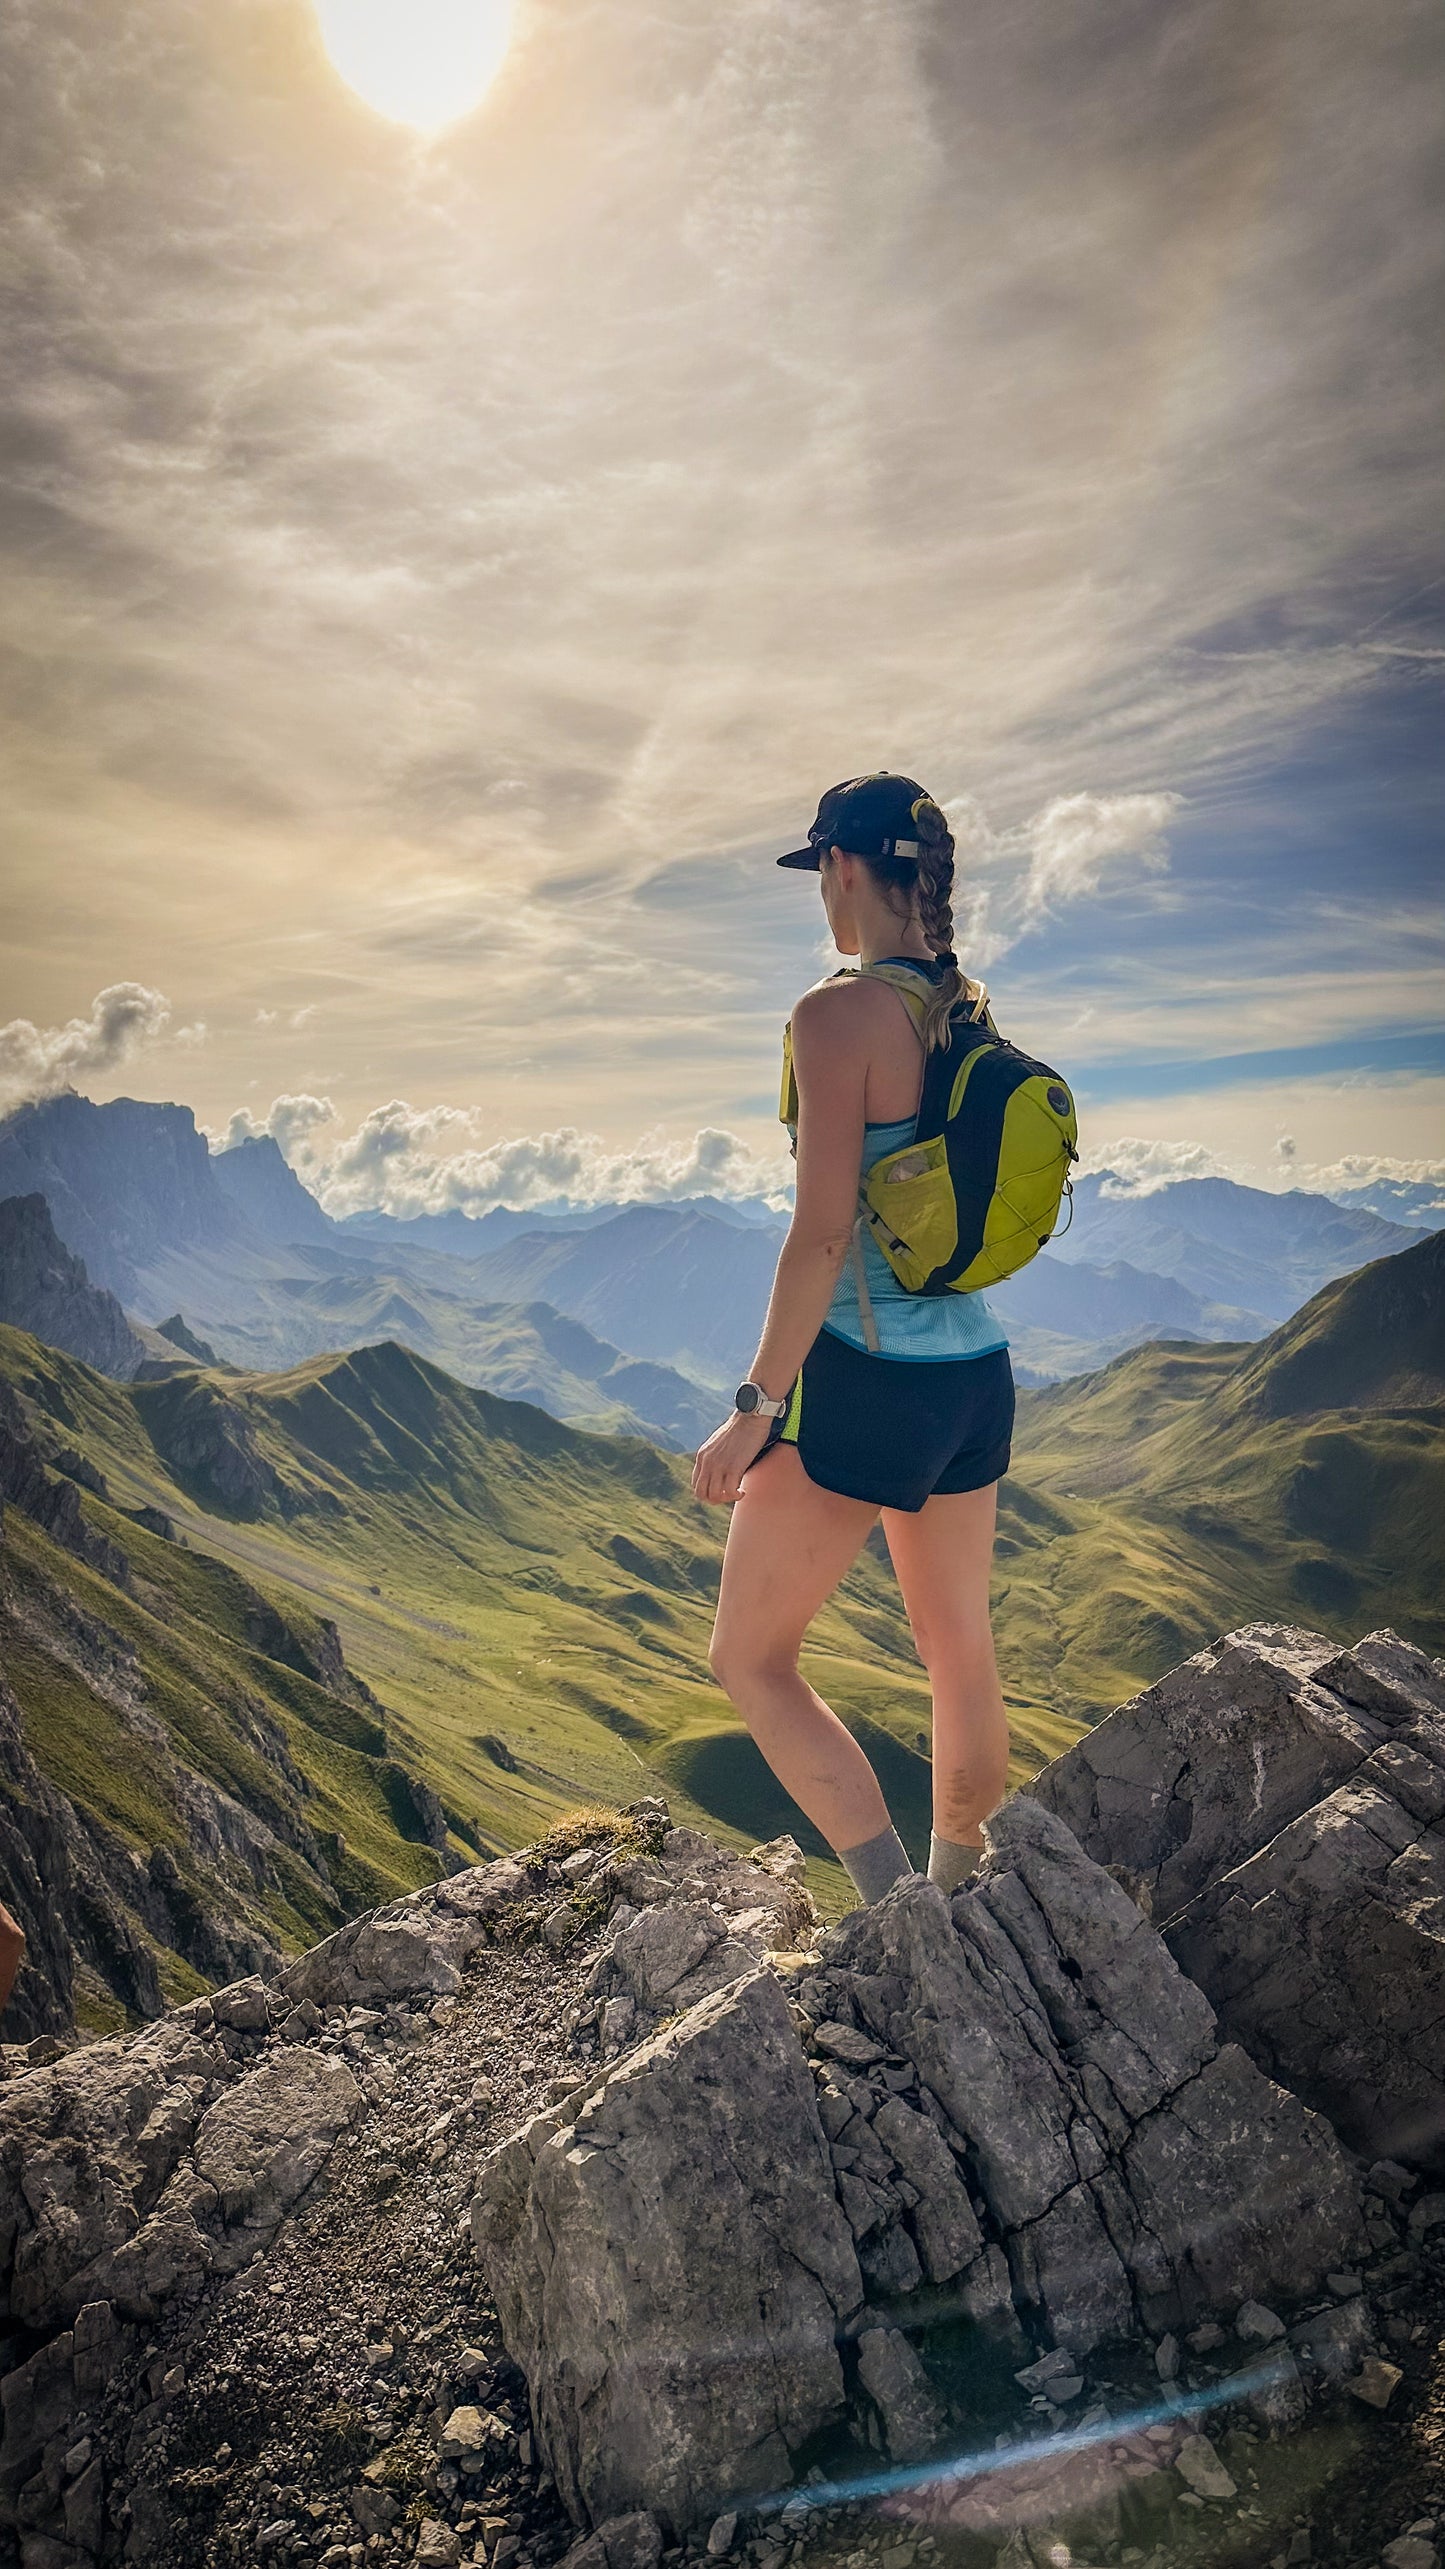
1236, 1245
1189, 1487
267, 1193
657, 1280
286, 1644
47, 1291
1419, 1202
264, 1278
1374, 1341
467, 1235
127, 1185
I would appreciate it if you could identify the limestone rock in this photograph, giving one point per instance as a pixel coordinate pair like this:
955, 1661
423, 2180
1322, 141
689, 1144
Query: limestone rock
670, 2267
624, 2542
1129, 2161
895, 2381
1284, 1803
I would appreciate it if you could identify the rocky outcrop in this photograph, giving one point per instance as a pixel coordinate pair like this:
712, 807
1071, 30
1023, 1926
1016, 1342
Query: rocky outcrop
1031, 2126
672, 2268
1279, 1803
976, 2179
52, 1503
55, 1884
208, 1444
46, 1290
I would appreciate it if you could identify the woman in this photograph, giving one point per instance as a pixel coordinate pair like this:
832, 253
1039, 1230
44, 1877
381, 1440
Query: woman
826, 1435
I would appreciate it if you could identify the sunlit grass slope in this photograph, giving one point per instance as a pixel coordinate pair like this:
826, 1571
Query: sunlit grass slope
531, 1605
1188, 1488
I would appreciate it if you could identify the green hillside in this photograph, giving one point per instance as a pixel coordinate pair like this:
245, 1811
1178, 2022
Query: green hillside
524, 1608
527, 1606
1186, 1488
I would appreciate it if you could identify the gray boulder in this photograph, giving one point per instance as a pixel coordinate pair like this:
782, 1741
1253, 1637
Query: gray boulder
1130, 2164
671, 2267
1280, 1803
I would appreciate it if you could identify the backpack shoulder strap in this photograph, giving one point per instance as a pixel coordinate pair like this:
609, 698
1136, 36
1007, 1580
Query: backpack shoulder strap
788, 1095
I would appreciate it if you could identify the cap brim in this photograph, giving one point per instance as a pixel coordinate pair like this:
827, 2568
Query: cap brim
801, 856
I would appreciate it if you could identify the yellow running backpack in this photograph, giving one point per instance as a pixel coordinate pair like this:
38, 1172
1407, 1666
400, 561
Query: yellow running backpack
977, 1191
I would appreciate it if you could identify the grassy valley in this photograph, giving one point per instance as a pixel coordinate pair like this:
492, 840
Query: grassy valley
524, 1608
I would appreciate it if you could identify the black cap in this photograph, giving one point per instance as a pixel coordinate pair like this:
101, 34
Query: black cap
869, 816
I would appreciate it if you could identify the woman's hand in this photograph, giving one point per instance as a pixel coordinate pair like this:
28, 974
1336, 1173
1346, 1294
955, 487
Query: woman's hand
717, 1473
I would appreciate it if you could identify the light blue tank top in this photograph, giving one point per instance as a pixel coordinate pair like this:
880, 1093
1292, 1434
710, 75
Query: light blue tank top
926, 1328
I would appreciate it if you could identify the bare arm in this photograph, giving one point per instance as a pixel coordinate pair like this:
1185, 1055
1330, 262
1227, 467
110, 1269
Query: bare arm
830, 1061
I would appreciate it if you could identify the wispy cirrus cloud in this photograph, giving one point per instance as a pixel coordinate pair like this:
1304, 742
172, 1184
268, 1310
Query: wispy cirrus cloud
410, 555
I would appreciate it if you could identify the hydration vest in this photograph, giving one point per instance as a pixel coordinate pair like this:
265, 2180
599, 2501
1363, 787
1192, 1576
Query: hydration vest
977, 1191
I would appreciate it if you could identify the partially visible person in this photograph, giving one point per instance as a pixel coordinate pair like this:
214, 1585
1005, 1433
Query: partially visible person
12, 1954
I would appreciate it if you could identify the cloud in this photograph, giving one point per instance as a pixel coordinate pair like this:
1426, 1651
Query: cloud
1360, 1168
1134, 1166
1286, 1149
289, 1122
1079, 838
396, 537
37, 1061
406, 1161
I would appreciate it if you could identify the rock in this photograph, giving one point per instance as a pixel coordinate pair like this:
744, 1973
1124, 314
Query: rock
561, 1926
1334, 2342
373, 2510
845, 2042
1427, 2215
1257, 2324
1376, 2382
896, 2383
1166, 2358
1204, 2339
1287, 1802
465, 2430
1119, 2177
662, 1946
437, 2547
632, 2541
1410, 2551
1273, 2391
1053, 2367
1391, 2182
782, 1857
242, 2007
722, 2534
1199, 2466
693, 2180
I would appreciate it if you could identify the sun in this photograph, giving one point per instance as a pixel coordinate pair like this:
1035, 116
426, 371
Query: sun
421, 62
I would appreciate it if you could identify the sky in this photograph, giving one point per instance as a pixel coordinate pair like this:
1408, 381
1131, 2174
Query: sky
440, 571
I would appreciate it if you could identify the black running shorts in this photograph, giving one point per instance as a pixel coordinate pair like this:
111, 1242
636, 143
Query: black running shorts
897, 1431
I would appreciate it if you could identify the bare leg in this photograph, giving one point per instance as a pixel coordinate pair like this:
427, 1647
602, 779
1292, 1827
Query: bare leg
943, 1557
789, 1544
12, 1953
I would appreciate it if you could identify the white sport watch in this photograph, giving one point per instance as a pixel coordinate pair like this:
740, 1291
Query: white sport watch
753, 1402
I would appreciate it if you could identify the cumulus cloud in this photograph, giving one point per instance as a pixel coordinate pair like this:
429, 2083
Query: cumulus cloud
37, 1061
289, 1122
1133, 1166
407, 1161
1078, 839
1012, 880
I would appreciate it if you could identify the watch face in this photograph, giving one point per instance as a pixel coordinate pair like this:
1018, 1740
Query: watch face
745, 1397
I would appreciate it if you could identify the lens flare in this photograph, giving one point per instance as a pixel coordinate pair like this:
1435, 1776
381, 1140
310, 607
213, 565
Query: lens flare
420, 62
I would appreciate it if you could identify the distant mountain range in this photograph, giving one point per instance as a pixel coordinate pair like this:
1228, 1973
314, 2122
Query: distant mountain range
617, 1316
